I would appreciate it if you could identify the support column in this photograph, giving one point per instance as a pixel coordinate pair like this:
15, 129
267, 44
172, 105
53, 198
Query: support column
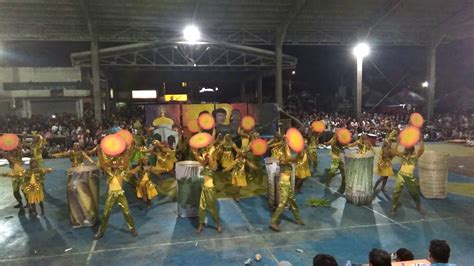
431, 81
242, 91
278, 71
358, 96
96, 79
259, 88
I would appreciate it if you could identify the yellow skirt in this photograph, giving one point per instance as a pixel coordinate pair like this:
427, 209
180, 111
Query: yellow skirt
385, 170
146, 189
239, 179
34, 193
227, 159
302, 172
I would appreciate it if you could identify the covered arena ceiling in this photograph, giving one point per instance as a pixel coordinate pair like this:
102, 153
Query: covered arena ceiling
250, 22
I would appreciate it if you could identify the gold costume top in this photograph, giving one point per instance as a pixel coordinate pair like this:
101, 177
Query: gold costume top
31, 176
277, 146
386, 155
363, 146
209, 164
14, 160
302, 159
115, 178
37, 148
77, 157
285, 161
336, 148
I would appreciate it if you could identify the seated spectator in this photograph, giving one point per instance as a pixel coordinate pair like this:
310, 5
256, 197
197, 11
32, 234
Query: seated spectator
379, 257
439, 252
404, 254
324, 260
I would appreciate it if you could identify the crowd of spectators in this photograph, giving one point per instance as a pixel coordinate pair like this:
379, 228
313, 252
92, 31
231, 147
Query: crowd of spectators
448, 126
438, 252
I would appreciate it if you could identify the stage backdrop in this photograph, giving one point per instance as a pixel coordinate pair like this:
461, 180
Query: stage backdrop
227, 116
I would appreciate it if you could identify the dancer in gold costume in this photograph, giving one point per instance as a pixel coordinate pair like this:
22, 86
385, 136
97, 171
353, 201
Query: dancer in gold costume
75, 155
208, 201
287, 195
384, 163
406, 176
15, 162
277, 146
33, 185
313, 151
238, 167
302, 169
146, 189
336, 163
117, 171
228, 149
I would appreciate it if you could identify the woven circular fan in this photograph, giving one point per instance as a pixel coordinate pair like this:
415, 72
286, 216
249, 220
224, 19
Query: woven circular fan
206, 121
113, 145
258, 147
200, 140
416, 120
9, 142
126, 135
344, 136
318, 126
295, 139
247, 123
410, 136
193, 126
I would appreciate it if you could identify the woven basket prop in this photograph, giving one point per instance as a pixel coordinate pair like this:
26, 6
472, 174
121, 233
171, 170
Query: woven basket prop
113, 145
126, 135
295, 139
258, 147
318, 126
433, 173
206, 121
9, 142
200, 140
409, 136
193, 126
344, 136
416, 120
247, 123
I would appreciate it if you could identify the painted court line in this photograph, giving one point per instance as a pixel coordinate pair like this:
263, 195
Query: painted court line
89, 257
192, 242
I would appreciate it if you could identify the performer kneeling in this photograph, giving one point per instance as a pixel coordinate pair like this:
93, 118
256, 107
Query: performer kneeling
116, 171
287, 195
146, 189
406, 176
208, 201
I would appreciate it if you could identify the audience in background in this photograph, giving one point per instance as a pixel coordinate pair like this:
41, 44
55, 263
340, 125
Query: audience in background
379, 257
324, 260
439, 252
404, 254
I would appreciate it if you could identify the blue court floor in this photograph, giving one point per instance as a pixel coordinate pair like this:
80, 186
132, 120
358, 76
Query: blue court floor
346, 231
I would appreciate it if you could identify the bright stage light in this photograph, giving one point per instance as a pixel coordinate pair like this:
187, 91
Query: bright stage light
191, 34
425, 84
361, 50
293, 72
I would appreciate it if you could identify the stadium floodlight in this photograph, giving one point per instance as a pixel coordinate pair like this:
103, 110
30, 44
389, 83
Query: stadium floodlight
191, 34
361, 50
425, 84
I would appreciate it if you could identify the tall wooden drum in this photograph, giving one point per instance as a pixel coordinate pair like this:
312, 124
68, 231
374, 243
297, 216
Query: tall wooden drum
273, 174
189, 187
359, 173
433, 172
83, 195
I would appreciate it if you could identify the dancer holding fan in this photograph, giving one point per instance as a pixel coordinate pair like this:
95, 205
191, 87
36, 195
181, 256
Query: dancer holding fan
337, 142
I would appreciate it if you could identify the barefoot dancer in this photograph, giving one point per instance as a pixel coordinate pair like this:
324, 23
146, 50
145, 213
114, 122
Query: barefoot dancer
384, 164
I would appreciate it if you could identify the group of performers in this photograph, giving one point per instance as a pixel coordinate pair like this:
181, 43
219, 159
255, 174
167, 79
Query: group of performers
120, 163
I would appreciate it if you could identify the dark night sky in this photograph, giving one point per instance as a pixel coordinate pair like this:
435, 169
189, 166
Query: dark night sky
320, 69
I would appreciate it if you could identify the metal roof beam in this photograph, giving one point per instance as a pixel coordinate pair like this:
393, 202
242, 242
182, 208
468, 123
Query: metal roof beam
292, 14
380, 15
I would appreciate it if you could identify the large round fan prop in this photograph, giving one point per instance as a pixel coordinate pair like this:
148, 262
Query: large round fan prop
9, 142
113, 145
206, 121
344, 136
410, 136
193, 126
126, 135
258, 147
295, 139
416, 120
247, 123
200, 140
318, 126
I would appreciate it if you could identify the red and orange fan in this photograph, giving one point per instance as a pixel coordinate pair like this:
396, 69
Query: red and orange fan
318, 126
193, 126
9, 142
126, 135
416, 120
295, 139
206, 121
201, 140
344, 136
410, 136
247, 123
258, 147
113, 145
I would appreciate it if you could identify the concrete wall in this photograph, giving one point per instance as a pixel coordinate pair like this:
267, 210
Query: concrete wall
40, 74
